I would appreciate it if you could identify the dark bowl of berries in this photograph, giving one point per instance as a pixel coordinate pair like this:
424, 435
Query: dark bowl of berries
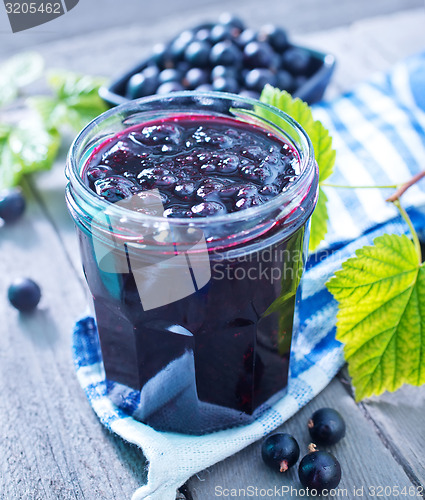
226, 56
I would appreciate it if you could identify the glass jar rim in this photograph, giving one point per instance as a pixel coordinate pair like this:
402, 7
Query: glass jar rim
74, 175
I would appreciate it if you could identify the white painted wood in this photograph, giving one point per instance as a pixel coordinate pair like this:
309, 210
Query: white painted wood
51, 444
364, 460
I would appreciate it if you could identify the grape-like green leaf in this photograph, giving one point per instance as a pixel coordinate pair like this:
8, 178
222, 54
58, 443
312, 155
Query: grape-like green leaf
5, 130
10, 170
68, 85
319, 221
46, 108
18, 71
33, 146
322, 145
8, 91
28, 148
381, 316
24, 68
76, 101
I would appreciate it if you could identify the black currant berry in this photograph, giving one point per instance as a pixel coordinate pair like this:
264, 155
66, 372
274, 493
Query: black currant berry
143, 83
258, 55
197, 53
257, 78
167, 87
24, 294
169, 75
228, 19
296, 60
280, 451
275, 36
12, 205
225, 85
195, 77
319, 470
326, 427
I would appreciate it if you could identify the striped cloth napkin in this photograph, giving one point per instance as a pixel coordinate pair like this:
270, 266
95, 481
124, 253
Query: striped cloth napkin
379, 135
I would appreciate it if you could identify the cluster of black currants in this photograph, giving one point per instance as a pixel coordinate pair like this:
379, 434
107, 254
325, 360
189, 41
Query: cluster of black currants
319, 470
24, 294
226, 57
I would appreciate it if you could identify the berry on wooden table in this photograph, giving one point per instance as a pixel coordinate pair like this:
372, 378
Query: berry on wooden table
280, 451
319, 470
12, 205
326, 426
24, 294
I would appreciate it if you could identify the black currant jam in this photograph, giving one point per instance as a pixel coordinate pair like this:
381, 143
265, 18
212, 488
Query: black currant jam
202, 166
199, 332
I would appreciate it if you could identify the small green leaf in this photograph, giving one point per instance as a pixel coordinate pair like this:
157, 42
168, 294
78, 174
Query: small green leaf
294, 107
28, 148
18, 71
69, 85
45, 107
76, 103
381, 295
33, 146
23, 69
5, 130
10, 169
319, 221
78, 117
8, 91
322, 145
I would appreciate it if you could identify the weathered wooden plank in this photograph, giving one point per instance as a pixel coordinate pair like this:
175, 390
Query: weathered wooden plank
52, 445
399, 417
301, 16
55, 457
368, 46
399, 420
364, 459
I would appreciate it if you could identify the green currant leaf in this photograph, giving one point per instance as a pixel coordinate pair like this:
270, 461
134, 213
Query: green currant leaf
28, 148
319, 221
33, 146
5, 130
8, 91
17, 72
24, 68
46, 109
72, 86
322, 145
76, 101
381, 316
10, 170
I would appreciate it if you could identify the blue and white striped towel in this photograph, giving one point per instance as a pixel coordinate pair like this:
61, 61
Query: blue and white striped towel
379, 135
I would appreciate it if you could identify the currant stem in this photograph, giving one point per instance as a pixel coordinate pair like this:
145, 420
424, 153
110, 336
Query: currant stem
413, 232
404, 187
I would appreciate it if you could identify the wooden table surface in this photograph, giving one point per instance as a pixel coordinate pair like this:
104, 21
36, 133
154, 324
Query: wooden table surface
51, 443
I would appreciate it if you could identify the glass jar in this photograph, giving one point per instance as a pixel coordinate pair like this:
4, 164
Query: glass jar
195, 315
